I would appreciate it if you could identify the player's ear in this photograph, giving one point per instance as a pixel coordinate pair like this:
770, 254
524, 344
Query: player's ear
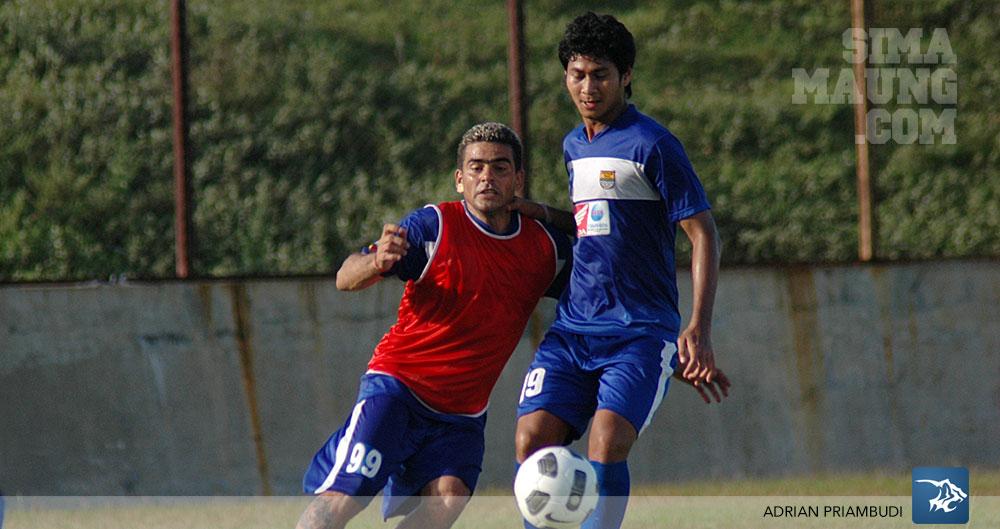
519, 183
458, 182
627, 77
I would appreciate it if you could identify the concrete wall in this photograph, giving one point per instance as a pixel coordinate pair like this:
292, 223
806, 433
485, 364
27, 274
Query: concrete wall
229, 387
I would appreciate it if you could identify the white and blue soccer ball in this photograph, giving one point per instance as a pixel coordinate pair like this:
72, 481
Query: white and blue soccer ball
556, 488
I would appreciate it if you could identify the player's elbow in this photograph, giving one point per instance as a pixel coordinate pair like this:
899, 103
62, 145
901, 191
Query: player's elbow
344, 282
707, 237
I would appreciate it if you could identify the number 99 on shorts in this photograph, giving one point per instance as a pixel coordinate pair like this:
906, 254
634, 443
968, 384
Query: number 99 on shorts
367, 462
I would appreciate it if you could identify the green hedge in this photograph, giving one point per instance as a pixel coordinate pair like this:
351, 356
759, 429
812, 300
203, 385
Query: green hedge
315, 122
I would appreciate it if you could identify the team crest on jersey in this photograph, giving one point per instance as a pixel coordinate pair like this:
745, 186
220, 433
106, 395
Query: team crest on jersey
607, 179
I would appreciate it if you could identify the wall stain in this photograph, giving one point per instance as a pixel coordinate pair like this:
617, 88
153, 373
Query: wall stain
317, 362
205, 295
244, 342
808, 361
884, 296
307, 289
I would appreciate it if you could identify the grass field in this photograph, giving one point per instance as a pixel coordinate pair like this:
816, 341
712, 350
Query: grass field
718, 504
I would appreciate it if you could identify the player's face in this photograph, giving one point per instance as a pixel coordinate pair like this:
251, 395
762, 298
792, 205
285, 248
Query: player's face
597, 88
487, 179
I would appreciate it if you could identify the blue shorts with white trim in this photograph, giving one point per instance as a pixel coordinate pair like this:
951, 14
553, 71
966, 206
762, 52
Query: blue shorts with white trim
574, 375
393, 442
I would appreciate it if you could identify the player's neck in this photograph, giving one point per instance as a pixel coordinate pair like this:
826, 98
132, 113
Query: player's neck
498, 221
594, 126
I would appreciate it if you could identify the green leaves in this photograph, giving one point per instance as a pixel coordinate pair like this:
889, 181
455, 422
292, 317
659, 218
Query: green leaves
85, 142
313, 124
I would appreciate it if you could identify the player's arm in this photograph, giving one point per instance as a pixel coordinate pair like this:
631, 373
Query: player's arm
362, 270
694, 345
562, 220
564, 261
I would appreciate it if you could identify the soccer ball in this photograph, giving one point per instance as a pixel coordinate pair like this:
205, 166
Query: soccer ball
556, 488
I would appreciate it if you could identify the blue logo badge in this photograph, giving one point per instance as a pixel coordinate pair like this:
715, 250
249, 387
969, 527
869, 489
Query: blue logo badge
940, 495
596, 212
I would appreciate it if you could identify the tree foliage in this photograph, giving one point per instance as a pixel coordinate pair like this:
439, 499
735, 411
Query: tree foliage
314, 123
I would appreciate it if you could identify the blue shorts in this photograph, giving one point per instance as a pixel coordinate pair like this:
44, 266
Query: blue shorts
574, 375
394, 442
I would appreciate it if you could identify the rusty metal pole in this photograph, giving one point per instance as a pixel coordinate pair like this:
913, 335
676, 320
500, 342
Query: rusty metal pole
182, 188
516, 83
866, 250
519, 120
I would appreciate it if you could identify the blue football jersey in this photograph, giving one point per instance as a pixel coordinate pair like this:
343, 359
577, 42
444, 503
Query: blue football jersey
630, 185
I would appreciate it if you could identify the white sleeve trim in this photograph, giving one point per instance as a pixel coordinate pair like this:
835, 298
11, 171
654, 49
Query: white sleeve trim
431, 247
559, 263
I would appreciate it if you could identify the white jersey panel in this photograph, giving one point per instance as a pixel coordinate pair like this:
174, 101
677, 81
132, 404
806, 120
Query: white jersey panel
610, 179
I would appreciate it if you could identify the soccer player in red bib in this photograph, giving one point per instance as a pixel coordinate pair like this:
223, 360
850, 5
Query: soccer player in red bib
475, 271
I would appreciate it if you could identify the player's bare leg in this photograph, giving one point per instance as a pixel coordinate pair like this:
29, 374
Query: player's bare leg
441, 502
537, 430
611, 437
330, 510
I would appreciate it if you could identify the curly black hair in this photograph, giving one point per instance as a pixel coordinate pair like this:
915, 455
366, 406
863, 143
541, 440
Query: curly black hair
599, 37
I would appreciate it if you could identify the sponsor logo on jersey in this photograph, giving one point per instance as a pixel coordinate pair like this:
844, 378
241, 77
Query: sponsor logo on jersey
607, 179
592, 218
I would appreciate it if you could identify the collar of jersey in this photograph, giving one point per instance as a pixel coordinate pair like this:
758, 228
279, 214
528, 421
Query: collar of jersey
626, 116
515, 222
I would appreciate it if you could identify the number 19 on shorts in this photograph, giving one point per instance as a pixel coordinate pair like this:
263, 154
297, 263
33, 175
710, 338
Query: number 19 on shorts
533, 383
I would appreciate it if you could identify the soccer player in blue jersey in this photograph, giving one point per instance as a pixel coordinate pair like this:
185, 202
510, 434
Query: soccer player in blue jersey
616, 339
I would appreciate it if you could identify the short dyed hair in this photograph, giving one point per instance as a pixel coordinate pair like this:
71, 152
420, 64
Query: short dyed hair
491, 132
599, 37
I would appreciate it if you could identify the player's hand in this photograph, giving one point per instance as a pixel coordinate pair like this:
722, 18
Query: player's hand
527, 208
718, 387
391, 247
695, 354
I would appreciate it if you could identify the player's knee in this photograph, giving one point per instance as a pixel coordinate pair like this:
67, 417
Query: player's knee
447, 495
611, 437
529, 440
537, 431
452, 504
447, 486
443, 510
609, 447
524, 440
